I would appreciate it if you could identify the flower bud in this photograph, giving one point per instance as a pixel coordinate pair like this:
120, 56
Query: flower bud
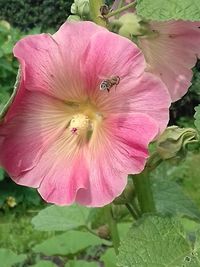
84, 10
5, 24
80, 8
74, 8
132, 25
177, 140
115, 25
73, 18
11, 202
103, 232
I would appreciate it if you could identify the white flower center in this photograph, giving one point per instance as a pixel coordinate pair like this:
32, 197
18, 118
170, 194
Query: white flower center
80, 124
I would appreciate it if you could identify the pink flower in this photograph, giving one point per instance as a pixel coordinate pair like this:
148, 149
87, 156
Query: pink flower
172, 52
65, 136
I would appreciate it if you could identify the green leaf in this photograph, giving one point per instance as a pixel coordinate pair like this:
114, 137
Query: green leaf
123, 229
109, 258
81, 264
44, 263
8, 258
190, 226
162, 10
155, 242
197, 117
195, 255
1, 174
70, 242
4, 110
4, 97
96, 217
55, 218
30, 196
193, 260
170, 199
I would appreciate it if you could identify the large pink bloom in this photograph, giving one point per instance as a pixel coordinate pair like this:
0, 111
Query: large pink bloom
172, 52
65, 136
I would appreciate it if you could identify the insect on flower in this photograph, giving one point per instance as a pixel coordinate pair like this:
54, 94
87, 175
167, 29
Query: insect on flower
107, 84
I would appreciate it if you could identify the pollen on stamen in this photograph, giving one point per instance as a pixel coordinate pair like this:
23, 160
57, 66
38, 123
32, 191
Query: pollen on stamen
80, 124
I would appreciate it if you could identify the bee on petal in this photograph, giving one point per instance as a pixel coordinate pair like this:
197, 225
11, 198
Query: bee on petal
107, 84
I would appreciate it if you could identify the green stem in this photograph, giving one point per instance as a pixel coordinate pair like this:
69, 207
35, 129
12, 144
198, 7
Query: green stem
143, 191
95, 14
113, 227
119, 6
119, 10
136, 207
90, 230
154, 161
132, 212
120, 3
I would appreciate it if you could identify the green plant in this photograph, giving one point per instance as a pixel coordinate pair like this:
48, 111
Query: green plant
27, 14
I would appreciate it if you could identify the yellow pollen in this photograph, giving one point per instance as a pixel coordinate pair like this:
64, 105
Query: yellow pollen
80, 124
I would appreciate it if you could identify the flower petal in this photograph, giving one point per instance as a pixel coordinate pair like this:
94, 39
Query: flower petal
61, 171
97, 174
63, 179
149, 96
48, 60
40, 150
146, 94
108, 55
136, 92
118, 150
33, 125
172, 54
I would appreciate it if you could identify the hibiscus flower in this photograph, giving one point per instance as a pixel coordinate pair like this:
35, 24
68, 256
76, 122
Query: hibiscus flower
171, 48
171, 52
83, 115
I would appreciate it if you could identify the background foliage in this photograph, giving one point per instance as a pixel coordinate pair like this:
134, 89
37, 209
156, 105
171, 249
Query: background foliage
162, 10
27, 14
